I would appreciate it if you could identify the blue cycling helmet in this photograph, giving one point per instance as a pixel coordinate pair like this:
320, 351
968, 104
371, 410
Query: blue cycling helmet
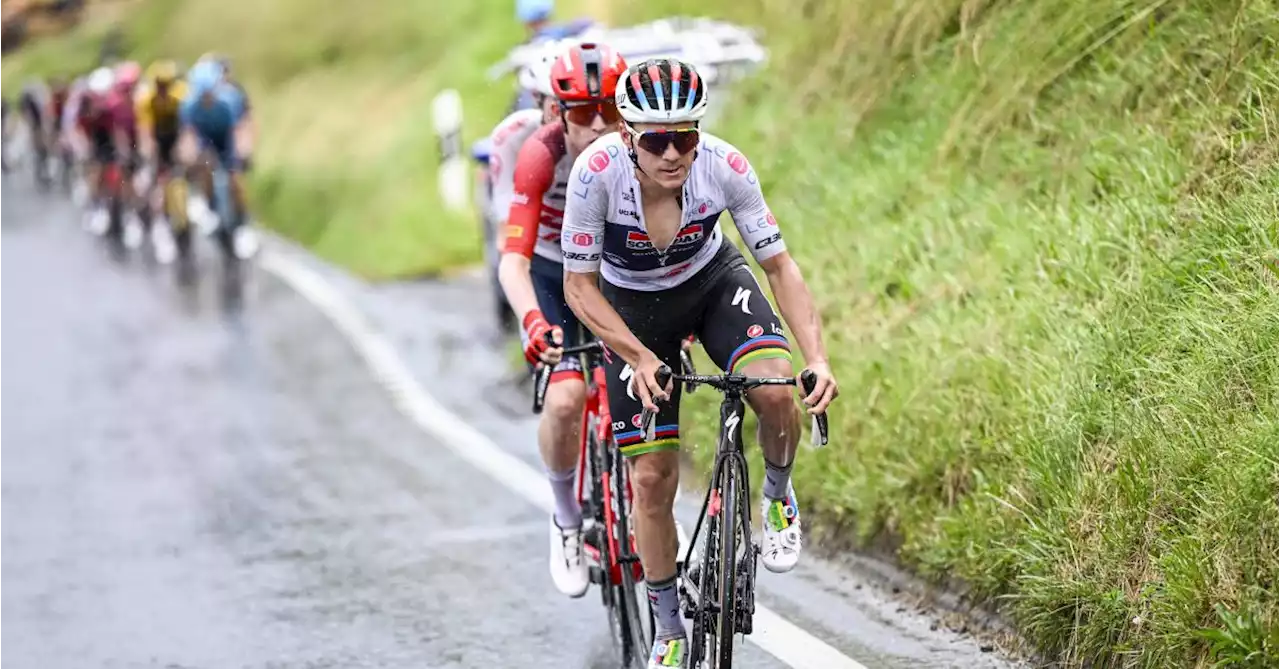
204, 76
529, 11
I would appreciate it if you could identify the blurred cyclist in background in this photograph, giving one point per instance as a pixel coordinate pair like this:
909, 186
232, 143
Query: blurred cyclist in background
212, 116
247, 131
536, 17
128, 73
103, 124
158, 104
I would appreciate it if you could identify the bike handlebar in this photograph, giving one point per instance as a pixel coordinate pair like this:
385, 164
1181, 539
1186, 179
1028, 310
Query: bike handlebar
739, 382
542, 378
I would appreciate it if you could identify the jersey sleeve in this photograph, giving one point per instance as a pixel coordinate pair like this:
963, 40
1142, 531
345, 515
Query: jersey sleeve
503, 149
746, 205
534, 173
586, 203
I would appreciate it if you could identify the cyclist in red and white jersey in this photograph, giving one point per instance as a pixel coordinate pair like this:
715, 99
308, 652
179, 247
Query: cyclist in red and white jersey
647, 202
583, 78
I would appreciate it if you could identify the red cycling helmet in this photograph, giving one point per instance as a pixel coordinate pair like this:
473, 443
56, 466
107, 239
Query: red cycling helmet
127, 74
587, 73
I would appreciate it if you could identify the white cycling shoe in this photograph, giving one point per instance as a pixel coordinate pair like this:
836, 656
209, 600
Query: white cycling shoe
780, 546
568, 563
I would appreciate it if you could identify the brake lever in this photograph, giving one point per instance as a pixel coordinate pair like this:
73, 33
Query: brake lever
818, 429
541, 380
663, 377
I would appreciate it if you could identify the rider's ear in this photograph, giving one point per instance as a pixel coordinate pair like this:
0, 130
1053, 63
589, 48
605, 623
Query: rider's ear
626, 136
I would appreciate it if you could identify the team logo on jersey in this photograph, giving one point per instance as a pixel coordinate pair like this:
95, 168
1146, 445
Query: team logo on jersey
754, 331
769, 220
635, 420
689, 235
702, 207
738, 162
638, 240
583, 239
598, 161
519, 198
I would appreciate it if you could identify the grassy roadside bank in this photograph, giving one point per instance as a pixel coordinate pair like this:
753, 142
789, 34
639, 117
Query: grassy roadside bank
1043, 237
1042, 234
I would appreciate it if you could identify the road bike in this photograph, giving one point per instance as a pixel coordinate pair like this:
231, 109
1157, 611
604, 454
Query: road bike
718, 593
604, 492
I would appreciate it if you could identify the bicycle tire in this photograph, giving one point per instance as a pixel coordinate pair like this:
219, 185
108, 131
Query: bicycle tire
726, 617
637, 642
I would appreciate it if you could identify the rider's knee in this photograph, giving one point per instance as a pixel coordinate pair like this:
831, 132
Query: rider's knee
564, 401
773, 403
654, 477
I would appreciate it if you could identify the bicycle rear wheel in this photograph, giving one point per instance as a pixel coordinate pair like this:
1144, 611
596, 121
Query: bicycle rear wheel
635, 620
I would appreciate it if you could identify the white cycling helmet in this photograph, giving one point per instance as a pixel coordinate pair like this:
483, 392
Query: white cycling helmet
536, 77
101, 80
662, 90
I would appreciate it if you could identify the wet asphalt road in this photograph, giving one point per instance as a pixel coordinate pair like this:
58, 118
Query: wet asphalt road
196, 481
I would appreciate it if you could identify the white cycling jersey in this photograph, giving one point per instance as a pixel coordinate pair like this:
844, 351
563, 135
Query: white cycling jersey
603, 217
506, 139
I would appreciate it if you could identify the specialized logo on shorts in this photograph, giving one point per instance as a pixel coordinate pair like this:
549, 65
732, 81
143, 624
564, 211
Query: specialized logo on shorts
738, 162
740, 298
583, 239
598, 161
635, 420
755, 331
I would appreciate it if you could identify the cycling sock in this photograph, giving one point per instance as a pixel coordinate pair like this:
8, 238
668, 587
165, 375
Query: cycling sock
568, 512
665, 602
776, 479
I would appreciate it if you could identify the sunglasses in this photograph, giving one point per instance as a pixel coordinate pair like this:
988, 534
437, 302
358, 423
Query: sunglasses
584, 113
657, 141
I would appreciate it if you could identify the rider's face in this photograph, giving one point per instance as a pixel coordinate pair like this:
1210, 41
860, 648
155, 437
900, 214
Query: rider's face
659, 152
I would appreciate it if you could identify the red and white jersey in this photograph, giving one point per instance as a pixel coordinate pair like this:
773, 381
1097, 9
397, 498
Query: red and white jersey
605, 219
537, 205
504, 145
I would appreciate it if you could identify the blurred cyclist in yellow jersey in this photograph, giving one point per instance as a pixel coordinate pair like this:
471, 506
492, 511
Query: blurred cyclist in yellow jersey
157, 106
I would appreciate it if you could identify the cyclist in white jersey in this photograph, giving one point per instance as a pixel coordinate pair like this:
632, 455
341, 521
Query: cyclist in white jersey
646, 202
510, 134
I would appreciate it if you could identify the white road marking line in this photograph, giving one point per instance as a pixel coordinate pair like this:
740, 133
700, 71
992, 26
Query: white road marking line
773, 634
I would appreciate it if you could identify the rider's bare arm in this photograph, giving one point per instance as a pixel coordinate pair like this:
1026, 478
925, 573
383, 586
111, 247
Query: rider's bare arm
582, 243
796, 304
763, 237
582, 292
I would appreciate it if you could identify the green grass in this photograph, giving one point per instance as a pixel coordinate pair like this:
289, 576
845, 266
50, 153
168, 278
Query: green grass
1042, 236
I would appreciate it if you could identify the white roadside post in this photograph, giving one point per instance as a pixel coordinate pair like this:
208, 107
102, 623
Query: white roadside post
446, 115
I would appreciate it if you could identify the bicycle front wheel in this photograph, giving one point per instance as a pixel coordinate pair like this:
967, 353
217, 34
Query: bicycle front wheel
727, 615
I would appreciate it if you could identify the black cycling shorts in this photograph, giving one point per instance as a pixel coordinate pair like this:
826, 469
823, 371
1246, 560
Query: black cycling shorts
166, 146
104, 146
724, 305
31, 110
548, 286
